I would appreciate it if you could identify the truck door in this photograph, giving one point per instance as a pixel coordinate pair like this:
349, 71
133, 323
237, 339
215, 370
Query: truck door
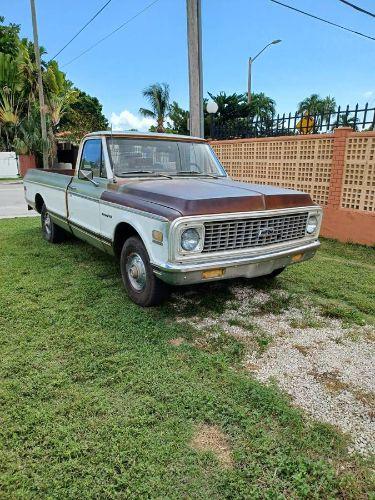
83, 194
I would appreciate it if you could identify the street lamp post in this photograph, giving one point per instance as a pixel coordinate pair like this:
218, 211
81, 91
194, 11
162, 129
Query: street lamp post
212, 108
251, 60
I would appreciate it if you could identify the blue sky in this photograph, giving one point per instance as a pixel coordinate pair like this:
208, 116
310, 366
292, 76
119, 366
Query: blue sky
312, 58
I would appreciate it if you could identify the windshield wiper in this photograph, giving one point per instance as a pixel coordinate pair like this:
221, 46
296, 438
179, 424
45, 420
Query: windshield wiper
156, 174
192, 172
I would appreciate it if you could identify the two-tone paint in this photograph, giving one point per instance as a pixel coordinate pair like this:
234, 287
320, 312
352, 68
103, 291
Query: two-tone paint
94, 212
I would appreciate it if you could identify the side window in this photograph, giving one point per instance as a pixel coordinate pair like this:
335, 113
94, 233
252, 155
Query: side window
92, 158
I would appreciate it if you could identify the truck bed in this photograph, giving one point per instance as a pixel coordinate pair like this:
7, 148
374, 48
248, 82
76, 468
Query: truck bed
51, 185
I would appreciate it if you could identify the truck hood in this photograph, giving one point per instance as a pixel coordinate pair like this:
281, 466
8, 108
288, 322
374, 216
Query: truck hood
184, 197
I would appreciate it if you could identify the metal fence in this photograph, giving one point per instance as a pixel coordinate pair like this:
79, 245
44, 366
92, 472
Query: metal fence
299, 123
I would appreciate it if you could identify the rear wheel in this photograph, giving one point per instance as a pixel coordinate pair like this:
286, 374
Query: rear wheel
51, 232
142, 286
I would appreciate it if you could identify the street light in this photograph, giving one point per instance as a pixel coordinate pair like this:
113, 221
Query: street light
212, 108
251, 60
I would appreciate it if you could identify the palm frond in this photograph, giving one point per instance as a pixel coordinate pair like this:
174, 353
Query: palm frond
147, 112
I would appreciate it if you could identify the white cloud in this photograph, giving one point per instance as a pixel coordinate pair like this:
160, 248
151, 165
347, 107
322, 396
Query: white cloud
127, 120
368, 94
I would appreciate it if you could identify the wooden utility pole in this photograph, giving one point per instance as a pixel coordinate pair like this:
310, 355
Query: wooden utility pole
40, 85
194, 31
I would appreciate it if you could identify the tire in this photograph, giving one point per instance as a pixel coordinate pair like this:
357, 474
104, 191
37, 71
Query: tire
141, 284
51, 232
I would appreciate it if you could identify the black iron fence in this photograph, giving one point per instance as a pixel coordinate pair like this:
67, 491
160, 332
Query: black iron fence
299, 123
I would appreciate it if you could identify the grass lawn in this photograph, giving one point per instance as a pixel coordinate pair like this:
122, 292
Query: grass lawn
96, 402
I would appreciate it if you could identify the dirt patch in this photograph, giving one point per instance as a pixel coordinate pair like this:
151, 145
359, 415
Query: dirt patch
209, 438
176, 342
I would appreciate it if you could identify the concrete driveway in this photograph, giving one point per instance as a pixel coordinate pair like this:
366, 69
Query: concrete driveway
12, 201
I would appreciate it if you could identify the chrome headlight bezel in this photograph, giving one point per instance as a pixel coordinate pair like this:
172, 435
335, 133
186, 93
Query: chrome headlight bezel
312, 224
199, 228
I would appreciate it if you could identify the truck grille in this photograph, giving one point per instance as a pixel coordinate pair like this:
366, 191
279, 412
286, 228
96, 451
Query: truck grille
245, 233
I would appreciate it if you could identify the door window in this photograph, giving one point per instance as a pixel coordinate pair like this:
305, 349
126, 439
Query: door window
92, 158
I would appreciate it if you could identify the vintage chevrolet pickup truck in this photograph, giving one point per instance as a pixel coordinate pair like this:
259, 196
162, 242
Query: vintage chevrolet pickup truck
166, 207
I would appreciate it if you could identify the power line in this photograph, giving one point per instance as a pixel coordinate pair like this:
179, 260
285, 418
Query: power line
85, 26
112, 32
321, 19
356, 7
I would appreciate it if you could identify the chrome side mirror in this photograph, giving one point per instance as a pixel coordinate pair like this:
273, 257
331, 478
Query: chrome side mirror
87, 175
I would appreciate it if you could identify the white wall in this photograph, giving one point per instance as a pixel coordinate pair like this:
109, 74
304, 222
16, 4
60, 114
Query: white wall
8, 165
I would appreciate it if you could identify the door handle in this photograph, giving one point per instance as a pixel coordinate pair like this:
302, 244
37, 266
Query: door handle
73, 188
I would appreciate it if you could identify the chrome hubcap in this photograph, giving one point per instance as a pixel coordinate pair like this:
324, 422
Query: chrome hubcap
136, 271
47, 224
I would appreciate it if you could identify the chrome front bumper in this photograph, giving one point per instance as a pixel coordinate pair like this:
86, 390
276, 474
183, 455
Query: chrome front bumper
246, 267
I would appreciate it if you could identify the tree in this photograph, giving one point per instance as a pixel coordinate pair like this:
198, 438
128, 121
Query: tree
157, 95
318, 108
230, 107
12, 98
9, 38
60, 93
179, 118
67, 107
83, 116
29, 138
262, 107
234, 110
315, 105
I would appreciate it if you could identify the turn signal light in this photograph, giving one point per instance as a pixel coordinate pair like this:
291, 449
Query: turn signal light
297, 257
213, 273
157, 236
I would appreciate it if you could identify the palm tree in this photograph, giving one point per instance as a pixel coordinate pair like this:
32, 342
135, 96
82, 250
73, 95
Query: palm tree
262, 106
157, 95
12, 97
318, 108
29, 139
311, 104
59, 92
315, 105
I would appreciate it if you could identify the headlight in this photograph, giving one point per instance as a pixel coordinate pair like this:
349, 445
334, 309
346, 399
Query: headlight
312, 224
190, 239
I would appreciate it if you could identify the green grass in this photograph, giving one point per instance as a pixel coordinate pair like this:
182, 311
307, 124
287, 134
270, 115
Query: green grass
340, 279
95, 402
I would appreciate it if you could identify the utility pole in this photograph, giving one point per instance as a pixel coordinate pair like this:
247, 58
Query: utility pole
194, 31
40, 85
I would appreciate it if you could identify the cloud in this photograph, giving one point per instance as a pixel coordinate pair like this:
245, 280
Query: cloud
368, 94
127, 121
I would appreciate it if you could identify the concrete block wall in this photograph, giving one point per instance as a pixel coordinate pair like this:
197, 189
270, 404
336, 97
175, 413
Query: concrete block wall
337, 169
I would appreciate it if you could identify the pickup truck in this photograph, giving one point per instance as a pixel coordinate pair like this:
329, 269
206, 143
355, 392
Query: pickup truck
164, 205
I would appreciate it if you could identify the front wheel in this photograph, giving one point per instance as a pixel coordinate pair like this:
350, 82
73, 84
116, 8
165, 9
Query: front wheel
51, 232
142, 286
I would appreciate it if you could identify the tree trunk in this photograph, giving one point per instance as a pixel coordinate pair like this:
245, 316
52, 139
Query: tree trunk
160, 125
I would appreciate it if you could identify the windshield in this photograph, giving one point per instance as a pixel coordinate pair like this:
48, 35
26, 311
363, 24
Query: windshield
162, 157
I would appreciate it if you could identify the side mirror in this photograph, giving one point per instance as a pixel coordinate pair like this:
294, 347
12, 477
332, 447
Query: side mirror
87, 175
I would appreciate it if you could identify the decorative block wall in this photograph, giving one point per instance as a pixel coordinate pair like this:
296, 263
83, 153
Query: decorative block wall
358, 190
337, 170
296, 164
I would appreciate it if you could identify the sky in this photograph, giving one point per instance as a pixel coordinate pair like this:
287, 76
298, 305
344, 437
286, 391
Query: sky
313, 57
